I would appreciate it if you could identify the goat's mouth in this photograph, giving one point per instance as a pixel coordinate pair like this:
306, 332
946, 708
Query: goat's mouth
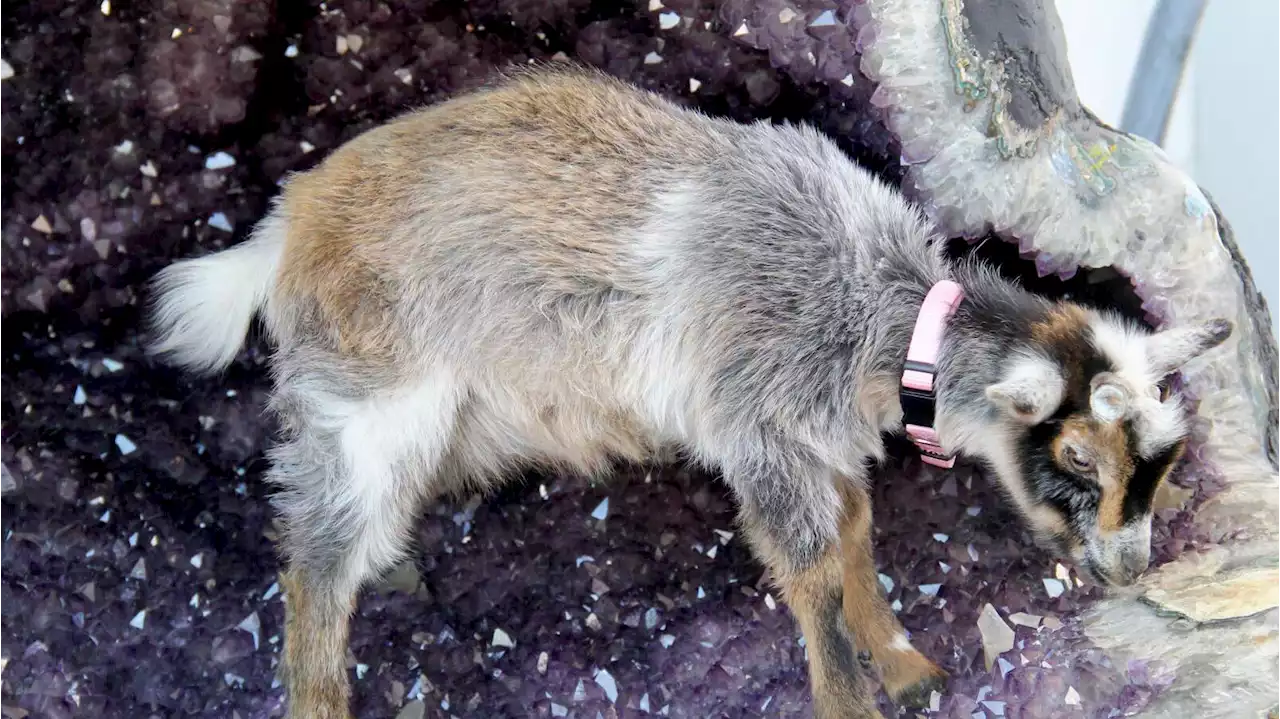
1093, 573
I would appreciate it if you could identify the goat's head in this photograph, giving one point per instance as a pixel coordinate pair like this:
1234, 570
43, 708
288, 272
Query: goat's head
1081, 428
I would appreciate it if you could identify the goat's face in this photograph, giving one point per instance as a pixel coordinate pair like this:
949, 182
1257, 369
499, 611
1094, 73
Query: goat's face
1086, 429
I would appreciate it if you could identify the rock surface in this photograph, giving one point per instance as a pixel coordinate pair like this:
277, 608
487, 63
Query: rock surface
1241, 593
997, 637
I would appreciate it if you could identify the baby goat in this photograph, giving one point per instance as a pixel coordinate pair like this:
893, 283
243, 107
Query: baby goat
562, 270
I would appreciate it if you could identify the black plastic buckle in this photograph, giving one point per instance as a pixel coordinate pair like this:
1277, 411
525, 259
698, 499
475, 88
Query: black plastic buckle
918, 406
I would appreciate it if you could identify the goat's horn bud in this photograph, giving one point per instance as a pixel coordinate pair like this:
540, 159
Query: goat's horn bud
1109, 402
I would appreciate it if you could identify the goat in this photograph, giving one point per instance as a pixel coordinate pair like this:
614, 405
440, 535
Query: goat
561, 270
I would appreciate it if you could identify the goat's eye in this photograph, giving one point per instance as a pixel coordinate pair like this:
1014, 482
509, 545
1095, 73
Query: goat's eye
1078, 461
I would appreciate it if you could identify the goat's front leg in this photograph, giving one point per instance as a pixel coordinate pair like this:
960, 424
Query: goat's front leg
908, 676
794, 532
812, 592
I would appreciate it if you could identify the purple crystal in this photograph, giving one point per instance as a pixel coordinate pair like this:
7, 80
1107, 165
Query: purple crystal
1045, 264
881, 97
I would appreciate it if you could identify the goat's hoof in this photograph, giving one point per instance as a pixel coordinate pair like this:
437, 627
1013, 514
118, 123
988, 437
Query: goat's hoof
916, 695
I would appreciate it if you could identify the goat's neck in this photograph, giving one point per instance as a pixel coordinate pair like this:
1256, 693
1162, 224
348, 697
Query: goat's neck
992, 324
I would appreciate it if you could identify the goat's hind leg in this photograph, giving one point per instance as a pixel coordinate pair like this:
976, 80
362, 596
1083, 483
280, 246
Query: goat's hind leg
352, 483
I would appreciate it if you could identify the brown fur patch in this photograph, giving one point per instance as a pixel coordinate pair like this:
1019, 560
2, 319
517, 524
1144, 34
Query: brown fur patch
813, 594
337, 215
550, 156
315, 650
1108, 445
904, 670
1063, 333
1064, 324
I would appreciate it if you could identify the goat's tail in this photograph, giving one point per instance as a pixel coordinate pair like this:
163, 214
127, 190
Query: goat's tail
201, 308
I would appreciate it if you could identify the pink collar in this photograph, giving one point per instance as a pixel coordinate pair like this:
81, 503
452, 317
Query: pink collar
919, 402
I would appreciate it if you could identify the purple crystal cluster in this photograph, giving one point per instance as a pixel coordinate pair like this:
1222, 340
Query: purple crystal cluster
138, 568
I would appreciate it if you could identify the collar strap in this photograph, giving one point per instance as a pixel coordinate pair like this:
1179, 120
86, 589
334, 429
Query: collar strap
919, 402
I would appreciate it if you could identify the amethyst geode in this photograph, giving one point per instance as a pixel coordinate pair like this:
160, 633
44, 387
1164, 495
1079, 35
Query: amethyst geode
139, 578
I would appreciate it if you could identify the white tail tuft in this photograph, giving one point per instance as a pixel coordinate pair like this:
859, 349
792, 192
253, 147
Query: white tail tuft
202, 307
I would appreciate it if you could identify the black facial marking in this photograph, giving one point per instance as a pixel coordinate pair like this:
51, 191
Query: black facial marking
835, 643
1147, 474
1076, 498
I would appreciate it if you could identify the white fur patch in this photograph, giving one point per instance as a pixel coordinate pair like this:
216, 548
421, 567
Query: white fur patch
378, 437
1125, 347
203, 306
1157, 424
1031, 390
1133, 536
901, 643
657, 380
1112, 548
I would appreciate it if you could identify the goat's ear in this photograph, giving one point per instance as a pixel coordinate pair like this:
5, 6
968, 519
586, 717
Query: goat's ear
1030, 392
1174, 347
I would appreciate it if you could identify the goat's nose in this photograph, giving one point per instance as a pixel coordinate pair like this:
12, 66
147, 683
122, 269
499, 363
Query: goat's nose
1132, 565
